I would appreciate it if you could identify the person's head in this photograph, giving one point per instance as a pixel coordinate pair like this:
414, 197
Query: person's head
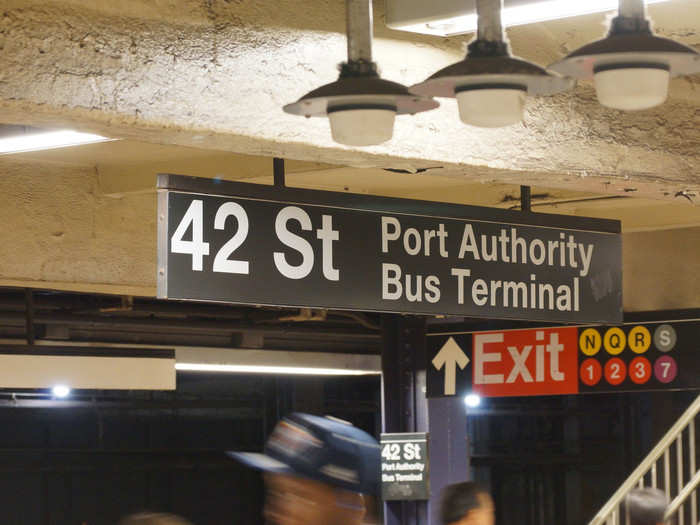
466, 504
646, 506
316, 471
153, 518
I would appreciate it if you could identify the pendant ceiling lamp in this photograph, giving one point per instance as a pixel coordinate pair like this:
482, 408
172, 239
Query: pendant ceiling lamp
360, 106
630, 67
489, 84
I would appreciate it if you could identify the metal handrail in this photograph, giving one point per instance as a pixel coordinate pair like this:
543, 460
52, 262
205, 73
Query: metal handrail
610, 509
682, 496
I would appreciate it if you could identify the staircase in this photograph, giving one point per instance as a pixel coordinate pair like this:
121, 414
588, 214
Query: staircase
671, 467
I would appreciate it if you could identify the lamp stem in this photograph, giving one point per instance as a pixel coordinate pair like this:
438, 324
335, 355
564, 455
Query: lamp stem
359, 28
632, 9
489, 23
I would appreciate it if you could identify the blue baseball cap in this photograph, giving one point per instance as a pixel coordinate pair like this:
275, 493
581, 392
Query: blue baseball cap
322, 449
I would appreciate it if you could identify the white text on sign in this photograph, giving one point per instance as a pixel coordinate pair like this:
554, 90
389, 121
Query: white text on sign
222, 263
525, 362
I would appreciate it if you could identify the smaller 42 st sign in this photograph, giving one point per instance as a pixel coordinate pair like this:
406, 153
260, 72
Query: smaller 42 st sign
405, 467
264, 245
565, 360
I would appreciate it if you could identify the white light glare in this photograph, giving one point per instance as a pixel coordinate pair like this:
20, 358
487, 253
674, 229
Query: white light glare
521, 15
47, 140
61, 391
263, 369
472, 400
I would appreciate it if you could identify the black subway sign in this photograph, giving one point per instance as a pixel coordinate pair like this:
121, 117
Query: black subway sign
405, 467
639, 357
253, 244
565, 360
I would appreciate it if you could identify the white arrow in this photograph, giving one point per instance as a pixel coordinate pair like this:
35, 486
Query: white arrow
449, 356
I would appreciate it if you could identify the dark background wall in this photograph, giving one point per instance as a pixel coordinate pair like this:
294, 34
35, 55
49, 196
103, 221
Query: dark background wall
93, 463
559, 459
546, 460
91, 459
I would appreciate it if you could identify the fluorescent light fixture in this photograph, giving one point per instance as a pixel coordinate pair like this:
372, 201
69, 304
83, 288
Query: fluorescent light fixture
243, 361
472, 400
266, 369
61, 391
47, 140
455, 17
47, 373
62, 368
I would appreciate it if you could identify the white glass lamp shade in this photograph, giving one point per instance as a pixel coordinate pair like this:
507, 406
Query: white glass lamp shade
362, 126
631, 87
491, 107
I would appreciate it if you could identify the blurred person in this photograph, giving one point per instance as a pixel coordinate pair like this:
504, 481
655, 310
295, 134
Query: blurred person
153, 518
466, 504
317, 471
646, 506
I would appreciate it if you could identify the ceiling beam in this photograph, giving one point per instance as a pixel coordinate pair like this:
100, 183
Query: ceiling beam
216, 77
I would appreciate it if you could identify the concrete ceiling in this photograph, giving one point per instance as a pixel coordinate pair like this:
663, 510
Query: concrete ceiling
213, 75
123, 168
196, 87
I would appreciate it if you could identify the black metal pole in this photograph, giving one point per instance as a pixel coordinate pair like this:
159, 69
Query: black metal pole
29, 318
404, 406
525, 198
278, 170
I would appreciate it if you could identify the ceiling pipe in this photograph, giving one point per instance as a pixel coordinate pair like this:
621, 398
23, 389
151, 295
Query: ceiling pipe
489, 25
632, 9
359, 28
631, 19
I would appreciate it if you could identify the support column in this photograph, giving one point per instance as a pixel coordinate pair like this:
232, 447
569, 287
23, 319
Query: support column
404, 405
406, 409
449, 453
572, 474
